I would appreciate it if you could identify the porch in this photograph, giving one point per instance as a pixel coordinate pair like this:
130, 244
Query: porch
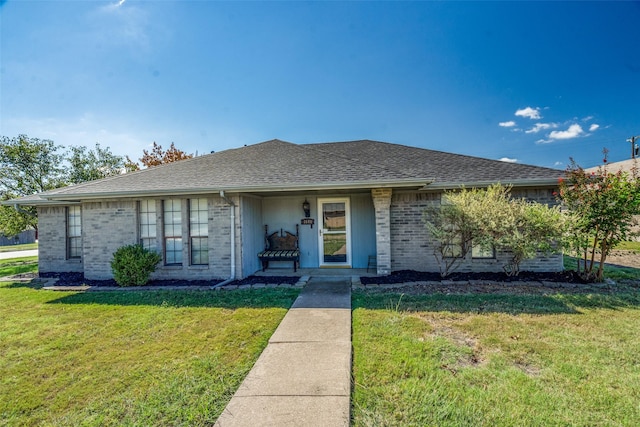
338, 233
317, 272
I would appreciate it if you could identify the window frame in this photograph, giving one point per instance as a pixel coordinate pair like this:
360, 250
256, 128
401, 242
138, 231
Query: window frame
199, 232
480, 256
74, 232
174, 238
147, 240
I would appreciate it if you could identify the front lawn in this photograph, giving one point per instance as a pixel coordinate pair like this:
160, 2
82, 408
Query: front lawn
128, 358
13, 266
496, 360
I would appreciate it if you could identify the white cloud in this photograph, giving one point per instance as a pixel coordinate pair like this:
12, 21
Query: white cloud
508, 160
541, 126
508, 124
558, 164
531, 113
593, 127
574, 131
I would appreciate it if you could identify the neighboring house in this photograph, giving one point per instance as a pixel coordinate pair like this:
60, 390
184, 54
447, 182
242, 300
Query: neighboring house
629, 165
207, 215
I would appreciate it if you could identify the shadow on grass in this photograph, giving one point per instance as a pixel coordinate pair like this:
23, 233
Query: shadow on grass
31, 284
560, 303
258, 298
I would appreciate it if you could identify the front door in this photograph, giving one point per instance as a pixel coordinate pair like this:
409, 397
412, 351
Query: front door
334, 229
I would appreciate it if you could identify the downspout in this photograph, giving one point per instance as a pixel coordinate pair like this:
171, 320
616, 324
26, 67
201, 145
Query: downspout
232, 276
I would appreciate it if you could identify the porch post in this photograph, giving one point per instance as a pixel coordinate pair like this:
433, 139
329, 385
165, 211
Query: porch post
382, 202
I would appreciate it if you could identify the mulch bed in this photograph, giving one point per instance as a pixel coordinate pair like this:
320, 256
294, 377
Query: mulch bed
405, 276
77, 279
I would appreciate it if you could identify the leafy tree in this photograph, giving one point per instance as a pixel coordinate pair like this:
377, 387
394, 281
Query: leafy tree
31, 165
13, 221
602, 206
491, 218
89, 165
157, 157
528, 228
27, 166
453, 228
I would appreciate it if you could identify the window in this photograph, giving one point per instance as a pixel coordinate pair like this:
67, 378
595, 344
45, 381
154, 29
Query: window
74, 232
452, 248
199, 231
172, 213
147, 221
478, 251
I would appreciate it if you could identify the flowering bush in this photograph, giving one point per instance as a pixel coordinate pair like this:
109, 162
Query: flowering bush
601, 208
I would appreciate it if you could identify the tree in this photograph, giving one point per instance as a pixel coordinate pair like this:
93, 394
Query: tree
602, 206
89, 165
491, 218
453, 228
528, 228
157, 157
27, 166
31, 165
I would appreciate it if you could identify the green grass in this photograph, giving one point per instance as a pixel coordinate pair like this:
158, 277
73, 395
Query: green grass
25, 247
610, 271
128, 358
10, 267
496, 360
629, 246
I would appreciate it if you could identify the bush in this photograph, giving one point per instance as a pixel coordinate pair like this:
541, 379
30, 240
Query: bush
491, 218
132, 265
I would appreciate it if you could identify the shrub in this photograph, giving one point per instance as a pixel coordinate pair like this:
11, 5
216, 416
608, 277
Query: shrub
132, 265
602, 206
491, 218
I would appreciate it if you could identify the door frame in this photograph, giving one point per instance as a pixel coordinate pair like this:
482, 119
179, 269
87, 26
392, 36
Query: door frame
321, 231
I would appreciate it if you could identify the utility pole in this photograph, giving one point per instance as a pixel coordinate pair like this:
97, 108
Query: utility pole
634, 147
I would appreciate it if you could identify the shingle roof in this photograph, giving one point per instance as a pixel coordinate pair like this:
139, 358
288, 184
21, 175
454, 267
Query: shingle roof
277, 165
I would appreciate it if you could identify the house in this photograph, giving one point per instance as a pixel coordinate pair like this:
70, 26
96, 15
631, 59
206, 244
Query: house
207, 215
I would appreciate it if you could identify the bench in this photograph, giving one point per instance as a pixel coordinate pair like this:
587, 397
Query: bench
280, 247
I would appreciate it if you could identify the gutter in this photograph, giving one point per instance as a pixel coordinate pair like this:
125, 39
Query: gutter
401, 183
536, 182
232, 275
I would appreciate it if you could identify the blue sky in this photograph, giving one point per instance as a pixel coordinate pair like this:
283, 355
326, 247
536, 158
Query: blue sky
533, 82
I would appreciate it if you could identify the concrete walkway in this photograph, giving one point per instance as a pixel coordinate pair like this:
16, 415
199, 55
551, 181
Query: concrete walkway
18, 254
303, 377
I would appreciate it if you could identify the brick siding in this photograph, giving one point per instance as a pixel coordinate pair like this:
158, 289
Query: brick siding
52, 242
412, 247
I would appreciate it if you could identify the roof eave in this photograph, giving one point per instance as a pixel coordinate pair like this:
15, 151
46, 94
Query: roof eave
536, 182
355, 185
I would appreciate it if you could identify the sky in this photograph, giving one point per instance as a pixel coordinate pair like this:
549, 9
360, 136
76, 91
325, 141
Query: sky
528, 82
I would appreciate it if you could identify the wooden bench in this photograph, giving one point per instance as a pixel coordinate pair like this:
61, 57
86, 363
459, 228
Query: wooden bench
280, 247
